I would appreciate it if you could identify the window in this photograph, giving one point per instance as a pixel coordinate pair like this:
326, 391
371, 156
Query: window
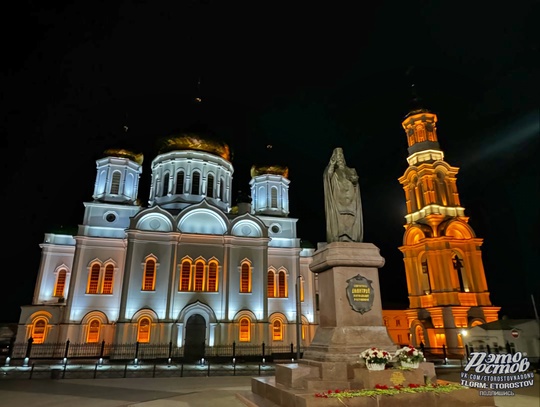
149, 275
185, 272
245, 334
199, 276
93, 331
210, 186
282, 284
108, 279
398, 322
301, 289
115, 183
143, 331
222, 189
400, 338
38, 331
245, 278
212, 276
60, 283
195, 183
273, 197
165, 184
180, 182
277, 330
271, 284
93, 279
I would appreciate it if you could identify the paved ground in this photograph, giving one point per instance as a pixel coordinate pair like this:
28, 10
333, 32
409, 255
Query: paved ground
224, 391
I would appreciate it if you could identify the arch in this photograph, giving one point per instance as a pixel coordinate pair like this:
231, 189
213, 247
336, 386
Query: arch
39, 330
149, 273
115, 182
213, 275
185, 275
60, 284
277, 325
197, 308
244, 329
144, 325
458, 230
413, 235
195, 183
282, 286
180, 176
204, 220
108, 279
94, 330
245, 276
199, 276
271, 284
92, 286
155, 222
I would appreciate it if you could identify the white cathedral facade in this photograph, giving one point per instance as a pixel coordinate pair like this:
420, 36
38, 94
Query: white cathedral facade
187, 267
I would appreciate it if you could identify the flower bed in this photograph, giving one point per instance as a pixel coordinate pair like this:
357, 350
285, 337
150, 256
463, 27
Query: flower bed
384, 390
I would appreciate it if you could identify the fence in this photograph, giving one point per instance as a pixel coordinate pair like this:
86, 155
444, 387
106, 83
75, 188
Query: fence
145, 351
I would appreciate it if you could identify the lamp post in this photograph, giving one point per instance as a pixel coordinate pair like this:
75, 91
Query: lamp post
298, 317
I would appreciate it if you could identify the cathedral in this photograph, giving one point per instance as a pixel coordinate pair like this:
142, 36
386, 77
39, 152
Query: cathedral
188, 269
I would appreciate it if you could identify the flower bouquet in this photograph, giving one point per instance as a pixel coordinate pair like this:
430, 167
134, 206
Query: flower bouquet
375, 359
409, 357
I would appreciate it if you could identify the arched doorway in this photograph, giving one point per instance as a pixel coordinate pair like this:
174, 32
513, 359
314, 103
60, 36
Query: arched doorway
195, 338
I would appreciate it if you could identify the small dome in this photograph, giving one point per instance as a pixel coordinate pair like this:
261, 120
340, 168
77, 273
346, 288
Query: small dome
194, 141
269, 169
120, 152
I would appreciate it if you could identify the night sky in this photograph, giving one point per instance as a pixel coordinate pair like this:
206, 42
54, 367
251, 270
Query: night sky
302, 79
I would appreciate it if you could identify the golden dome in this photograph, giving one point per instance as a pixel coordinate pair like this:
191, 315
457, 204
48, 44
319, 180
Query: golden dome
194, 141
269, 169
120, 152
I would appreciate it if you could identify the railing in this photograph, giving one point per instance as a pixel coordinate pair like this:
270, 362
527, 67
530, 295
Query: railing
145, 351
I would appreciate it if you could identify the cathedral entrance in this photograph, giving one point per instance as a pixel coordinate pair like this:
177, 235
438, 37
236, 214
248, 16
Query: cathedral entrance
195, 338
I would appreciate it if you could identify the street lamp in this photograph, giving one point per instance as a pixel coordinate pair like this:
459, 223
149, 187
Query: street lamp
298, 317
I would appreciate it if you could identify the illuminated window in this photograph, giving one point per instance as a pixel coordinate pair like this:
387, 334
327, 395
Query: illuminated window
115, 183
60, 283
271, 284
143, 331
273, 197
420, 132
93, 331
212, 276
165, 184
185, 272
180, 182
108, 279
301, 289
210, 186
282, 284
385, 320
304, 330
277, 330
199, 276
245, 334
149, 279
398, 322
93, 279
38, 331
245, 278
195, 183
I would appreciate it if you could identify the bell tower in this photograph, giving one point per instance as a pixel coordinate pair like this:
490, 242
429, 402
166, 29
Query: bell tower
446, 280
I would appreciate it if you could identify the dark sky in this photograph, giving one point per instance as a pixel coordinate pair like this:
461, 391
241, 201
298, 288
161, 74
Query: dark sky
303, 78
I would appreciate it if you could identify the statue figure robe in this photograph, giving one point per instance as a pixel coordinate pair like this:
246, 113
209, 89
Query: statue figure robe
342, 204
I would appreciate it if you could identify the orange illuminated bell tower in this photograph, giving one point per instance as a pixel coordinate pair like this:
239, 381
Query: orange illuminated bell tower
443, 259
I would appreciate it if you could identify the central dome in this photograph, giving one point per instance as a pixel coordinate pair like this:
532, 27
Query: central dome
194, 141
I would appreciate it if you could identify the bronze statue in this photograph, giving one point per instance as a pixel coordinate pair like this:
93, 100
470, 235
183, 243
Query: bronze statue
342, 204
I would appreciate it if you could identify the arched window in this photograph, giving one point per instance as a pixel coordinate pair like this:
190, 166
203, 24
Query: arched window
149, 279
273, 197
165, 184
199, 276
282, 284
222, 189
195, 183
420, 132
93, 331
108, 279
301, 289
277, 330
271, 284
212, 284
38, 330
245, 334
245, 278
185, 275
60, 283
210, 186
179, 182
143, 330
93, 279
115, 183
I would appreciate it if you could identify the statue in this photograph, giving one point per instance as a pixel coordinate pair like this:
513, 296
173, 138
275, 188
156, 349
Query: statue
342, 204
